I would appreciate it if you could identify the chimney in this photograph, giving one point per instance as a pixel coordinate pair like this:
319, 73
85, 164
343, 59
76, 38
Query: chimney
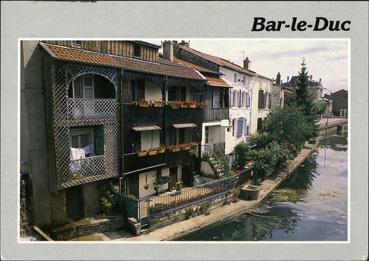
184, 43
246, 63
168, 52
320, 80
288, 78
278, 79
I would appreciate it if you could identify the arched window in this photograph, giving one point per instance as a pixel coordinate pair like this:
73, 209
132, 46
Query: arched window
91, 86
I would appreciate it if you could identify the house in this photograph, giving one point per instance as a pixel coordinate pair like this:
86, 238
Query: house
277, 98
316, 87
246, 88
94, 112
340, 103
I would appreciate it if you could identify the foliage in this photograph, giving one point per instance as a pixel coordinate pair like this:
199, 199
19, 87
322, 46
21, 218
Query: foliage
242, 154
179, 185
288, 125
107, 202
261, 140
319, 107
304, 98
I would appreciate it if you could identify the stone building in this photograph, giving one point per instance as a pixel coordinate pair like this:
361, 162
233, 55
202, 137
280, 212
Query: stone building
340, 103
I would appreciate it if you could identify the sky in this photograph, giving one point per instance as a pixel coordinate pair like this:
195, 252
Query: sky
325, 58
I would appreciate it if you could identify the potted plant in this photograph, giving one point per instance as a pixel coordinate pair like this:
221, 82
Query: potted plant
173, 104
179, 185
186, 146
175, 148
158, 104
156, 186
193, 104
142, 153
134, 103
161, 149
153, 151
146, 186
144, 103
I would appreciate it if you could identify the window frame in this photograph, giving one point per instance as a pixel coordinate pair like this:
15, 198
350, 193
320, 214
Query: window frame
82, 78
79, 132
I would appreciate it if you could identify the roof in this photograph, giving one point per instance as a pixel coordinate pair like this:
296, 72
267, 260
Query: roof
130, 64
217, 60
195, 66
293, 80
340, 92
216, 82
146, 128
146, 44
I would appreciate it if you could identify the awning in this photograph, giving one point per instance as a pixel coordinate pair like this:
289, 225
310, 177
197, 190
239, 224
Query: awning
184, 125
146, 128
217, 82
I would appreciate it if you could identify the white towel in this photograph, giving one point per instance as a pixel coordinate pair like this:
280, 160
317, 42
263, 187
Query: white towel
75, 155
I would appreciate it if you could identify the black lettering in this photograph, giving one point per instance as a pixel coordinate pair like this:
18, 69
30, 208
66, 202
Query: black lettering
343, 26
301, 26
317, 23
258, 24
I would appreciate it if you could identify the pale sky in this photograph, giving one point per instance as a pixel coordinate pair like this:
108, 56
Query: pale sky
325, 59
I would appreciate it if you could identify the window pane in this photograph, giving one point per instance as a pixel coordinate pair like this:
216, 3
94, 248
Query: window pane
85, 140
75, 142
89, 92
78, 91
88, 81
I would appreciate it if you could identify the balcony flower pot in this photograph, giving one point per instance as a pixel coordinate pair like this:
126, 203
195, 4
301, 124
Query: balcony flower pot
173, 104
153, 152
158, 104
144, 103
161, 150
134, 103
175, 148
142, 153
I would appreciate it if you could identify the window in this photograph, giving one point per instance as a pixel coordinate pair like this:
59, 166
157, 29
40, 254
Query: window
91, 139
235, 77
239, 127
76, 43
248, 100
259, 125
234, 98
244, 80
243, 99
247, 130
261, 102
244, 126
206, 134
240, 99
231, 99
83, 87
234, 127
137, 51
182, 93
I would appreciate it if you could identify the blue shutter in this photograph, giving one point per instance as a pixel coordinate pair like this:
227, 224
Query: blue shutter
239, 99
239, 127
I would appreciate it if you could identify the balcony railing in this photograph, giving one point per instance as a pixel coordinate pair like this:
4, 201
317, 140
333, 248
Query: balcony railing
183, 115
142, 116
85, 109
132, 162
216, 114
90, 166
217, 148
146, 208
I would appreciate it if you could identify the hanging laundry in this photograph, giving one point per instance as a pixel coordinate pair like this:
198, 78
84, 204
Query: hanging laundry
75, 155
89, 150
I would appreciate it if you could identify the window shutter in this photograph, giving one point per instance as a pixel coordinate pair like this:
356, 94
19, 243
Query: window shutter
239, 127
231, 99
260, 99
239, 99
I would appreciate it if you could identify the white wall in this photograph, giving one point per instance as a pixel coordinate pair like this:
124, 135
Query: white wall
150, 139
151, 178
235, 112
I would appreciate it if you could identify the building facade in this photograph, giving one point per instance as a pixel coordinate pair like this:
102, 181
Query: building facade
340, 103
97, 111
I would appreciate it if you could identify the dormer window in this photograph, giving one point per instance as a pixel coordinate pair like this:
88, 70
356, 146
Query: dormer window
76, 43
137, 51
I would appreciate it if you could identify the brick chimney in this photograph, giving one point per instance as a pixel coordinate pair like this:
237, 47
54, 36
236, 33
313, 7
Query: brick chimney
278, 79
168, 51
246, 63
184, 43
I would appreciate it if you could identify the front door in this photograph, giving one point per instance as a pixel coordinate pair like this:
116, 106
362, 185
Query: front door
187, 175
173, 177
74, 202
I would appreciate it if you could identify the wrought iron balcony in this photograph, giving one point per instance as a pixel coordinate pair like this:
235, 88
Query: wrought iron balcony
91, 109
216, 114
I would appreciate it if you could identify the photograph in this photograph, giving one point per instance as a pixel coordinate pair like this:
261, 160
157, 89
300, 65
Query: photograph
184, 140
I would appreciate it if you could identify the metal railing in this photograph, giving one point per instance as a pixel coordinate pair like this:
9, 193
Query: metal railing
81, 108
90, 166
153, 206
216, 114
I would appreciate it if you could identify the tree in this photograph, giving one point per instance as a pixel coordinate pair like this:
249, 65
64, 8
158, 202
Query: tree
304, 98
289, 125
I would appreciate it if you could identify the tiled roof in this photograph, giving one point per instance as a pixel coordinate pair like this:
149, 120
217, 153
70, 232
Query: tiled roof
195, 66
130, 64
217, 60
216, 82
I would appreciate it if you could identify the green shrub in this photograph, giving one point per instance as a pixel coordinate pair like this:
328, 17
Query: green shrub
242, 154
107, 202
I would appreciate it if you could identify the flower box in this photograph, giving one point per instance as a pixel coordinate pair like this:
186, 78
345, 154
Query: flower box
153, 152
161, 150
158, 104
175, 148
144, 103
142, 153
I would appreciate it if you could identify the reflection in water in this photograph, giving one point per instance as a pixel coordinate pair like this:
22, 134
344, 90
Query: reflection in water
310, 205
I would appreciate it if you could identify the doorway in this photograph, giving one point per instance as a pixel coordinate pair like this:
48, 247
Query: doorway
173, 177
74, 202
187, 175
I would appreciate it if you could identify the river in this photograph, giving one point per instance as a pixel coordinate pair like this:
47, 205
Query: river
311, 205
